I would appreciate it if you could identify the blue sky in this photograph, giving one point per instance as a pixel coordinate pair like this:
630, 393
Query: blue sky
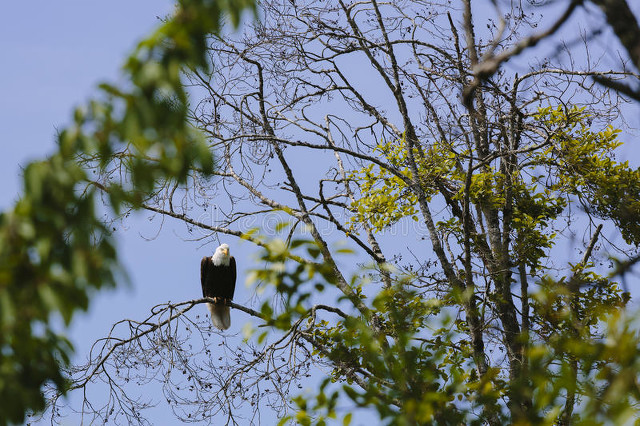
54, 54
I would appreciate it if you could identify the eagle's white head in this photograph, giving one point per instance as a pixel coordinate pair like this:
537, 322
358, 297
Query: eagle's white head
221, 255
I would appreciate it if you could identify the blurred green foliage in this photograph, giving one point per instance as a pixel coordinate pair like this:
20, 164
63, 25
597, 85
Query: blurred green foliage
420, 369
54, 251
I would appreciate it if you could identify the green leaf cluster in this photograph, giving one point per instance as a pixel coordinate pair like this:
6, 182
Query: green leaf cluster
581, 163
385, 197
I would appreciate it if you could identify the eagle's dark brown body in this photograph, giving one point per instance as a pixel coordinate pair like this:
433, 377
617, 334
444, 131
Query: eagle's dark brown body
219, 282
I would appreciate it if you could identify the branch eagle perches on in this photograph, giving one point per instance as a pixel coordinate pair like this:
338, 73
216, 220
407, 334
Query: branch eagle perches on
155, 344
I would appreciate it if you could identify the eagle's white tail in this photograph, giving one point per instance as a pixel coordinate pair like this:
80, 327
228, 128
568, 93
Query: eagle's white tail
220, 316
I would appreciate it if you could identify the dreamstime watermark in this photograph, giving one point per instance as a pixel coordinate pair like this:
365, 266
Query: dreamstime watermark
279, 223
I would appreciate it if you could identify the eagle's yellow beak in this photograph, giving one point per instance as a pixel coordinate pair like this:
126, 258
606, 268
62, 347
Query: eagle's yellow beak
226, 252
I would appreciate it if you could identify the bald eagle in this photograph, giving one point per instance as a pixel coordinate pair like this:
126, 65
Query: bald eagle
218, 279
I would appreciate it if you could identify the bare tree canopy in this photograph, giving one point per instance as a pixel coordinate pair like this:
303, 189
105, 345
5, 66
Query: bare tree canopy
474, 198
